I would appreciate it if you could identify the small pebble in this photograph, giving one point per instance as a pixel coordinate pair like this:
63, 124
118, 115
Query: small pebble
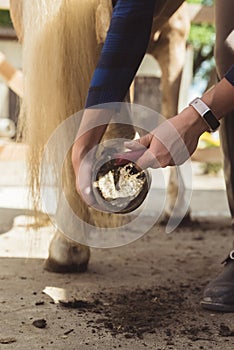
40, 323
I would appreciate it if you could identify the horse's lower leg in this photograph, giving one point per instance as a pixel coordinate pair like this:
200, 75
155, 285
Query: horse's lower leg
66, 255
170, 51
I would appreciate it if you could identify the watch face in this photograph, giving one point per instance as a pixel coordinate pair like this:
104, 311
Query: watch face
211, 120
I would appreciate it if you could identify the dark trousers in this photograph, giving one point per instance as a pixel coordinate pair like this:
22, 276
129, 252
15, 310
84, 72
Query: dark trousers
224, 56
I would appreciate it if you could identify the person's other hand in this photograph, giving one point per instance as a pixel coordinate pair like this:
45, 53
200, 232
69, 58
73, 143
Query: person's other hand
172, 142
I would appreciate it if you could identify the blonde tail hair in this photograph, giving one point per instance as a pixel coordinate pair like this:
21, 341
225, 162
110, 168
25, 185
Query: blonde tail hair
60, 52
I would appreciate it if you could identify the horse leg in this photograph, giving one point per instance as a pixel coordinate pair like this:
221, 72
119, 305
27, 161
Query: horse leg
66, 255
170, 51
57, 69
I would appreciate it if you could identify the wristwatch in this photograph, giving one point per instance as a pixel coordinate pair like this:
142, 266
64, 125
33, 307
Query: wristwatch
205, 113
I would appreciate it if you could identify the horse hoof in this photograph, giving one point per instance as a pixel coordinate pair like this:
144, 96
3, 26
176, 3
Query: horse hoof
66, 256
187, 221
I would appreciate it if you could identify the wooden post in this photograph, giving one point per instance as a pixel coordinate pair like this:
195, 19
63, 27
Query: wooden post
201, 13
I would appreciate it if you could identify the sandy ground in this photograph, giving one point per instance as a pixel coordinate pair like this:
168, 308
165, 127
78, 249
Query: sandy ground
145, 295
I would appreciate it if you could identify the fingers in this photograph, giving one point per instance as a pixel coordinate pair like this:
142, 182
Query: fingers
83, 171
84, 189
145, 156
139, 153
125, 157
137, 147
139, 144
148, 160
87, 195
134, 145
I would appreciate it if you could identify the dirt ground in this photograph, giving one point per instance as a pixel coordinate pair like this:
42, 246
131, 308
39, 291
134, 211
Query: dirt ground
142, 296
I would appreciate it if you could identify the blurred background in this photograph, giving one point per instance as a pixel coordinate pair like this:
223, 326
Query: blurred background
198, 75
199, 72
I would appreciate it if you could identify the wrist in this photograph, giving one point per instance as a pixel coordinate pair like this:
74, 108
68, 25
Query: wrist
205, 113
194, 120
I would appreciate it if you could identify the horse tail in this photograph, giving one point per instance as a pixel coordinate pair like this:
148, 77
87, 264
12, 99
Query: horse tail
60, 52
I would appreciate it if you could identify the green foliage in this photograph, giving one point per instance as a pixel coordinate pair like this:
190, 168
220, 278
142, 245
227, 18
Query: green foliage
5, 19
202, 38
194, 1
202, 2
208, 2
202, 34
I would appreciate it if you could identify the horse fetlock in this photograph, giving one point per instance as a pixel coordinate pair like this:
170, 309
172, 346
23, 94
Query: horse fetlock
66, 255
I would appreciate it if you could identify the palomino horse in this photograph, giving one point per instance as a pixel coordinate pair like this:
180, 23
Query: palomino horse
62, 41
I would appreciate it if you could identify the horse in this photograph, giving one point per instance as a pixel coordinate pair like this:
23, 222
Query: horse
61, 42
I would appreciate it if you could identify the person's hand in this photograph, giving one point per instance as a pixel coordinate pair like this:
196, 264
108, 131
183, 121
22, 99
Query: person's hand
82, 162
91, 130
172, 142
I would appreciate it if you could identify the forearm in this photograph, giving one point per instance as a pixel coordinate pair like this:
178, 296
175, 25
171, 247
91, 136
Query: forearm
123, 51
220, 99
93, 125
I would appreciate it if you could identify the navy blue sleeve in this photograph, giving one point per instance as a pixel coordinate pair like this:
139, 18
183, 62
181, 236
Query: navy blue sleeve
124, 48
230, 75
